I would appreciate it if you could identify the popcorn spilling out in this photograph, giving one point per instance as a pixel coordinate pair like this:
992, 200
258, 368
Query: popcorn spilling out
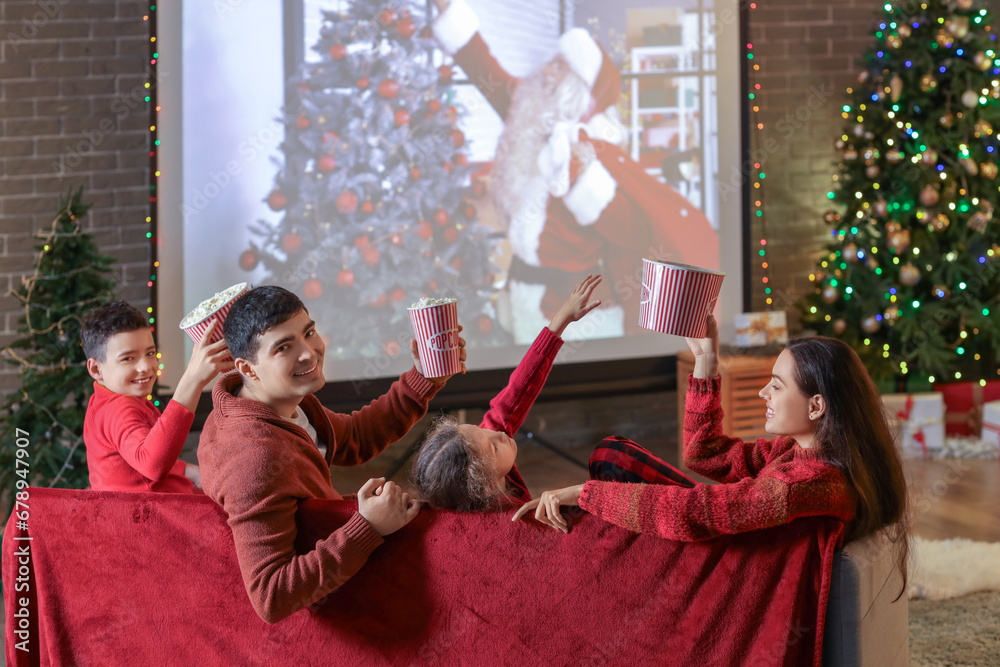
209, 306
428, 301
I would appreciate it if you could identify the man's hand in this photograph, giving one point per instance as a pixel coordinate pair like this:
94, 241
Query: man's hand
462, 356
385, 506
577, 305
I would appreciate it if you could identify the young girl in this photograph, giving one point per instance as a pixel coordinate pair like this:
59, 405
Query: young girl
466, 467
834, 456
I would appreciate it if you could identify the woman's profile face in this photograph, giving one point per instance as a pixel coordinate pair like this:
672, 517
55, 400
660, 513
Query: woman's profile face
787, 410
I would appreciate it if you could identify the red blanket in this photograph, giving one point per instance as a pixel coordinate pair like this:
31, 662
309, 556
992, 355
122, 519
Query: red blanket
120, 578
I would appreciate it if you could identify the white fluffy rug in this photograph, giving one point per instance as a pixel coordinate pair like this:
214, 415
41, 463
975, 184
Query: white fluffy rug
941, 569
959, 448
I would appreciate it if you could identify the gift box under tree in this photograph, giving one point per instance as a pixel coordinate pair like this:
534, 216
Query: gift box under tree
917, 420
963, 405
991, 422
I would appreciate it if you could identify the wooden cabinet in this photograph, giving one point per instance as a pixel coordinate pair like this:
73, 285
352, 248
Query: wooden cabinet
743, 377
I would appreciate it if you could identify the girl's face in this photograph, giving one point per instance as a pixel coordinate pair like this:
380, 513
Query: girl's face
495, 448
789, 411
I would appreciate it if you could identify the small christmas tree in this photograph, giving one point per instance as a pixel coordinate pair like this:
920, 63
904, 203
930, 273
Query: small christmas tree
911, 278
70, 279
375, 191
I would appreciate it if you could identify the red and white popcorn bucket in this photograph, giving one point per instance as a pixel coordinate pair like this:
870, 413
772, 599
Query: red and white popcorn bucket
675, 298
435, 327
215, 309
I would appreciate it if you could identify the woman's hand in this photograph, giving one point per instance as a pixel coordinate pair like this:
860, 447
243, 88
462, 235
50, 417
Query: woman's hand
547, 506
706, 350
577, 305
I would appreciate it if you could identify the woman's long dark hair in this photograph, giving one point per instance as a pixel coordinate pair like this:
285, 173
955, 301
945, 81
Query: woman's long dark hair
853, 434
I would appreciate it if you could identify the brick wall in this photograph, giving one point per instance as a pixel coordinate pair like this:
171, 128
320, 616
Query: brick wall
72, 114
807, 51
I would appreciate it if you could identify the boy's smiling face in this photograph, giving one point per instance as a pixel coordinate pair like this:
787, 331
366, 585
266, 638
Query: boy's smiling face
129, 365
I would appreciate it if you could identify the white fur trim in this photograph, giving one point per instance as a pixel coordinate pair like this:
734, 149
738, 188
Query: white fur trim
527, 224
606, 128
583, 54
591, 193
455, 26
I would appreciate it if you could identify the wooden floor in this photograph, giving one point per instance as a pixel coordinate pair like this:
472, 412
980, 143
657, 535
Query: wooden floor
954, 498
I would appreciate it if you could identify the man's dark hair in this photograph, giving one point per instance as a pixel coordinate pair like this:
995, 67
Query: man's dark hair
106, 321
254, 313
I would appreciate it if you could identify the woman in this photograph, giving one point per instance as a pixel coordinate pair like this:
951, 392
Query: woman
834, 456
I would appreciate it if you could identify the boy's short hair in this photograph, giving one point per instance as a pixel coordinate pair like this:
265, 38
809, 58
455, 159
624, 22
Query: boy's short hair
106, 321
253, 314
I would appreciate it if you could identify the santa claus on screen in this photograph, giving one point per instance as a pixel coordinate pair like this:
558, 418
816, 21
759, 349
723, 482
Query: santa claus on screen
573, 201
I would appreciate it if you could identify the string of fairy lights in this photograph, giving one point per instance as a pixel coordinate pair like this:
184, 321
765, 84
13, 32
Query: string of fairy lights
154, 175
758, 177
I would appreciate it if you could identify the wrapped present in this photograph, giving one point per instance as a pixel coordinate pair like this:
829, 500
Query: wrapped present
963, 405
991, 422
759, 329
917, 420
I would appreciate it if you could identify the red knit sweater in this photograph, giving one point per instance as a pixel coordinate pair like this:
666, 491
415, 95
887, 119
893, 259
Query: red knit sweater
258, 466
763, 484
510, 407
132, 447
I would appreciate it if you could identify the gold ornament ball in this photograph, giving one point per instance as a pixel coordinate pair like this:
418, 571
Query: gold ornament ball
970, 98
839, 326
929, 157
830, 294
988, 169
859, 130
891, 314
943, 38
831, 217
940, 222
959, 26
977, 222
894, 41
947, 120
963, 4
929, 195
863, 76
880, 208
870, 325
982, 61
892, 227
983, 127
872, 171
900, 241
928, 83
850, 253
839, 144
904, 30
909, 275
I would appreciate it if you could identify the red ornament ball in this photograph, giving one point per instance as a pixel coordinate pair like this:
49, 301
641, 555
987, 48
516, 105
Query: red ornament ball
249, 259
338, 51
470, 211
461, 159
388, 89
391, 347
405, 28
402, 117
457, 138
434, 106
484, 324
396, 239
313, 289
387, 17
347, 202
397, 295
345, 278
291, 242
433, 285
415, 173
302, 122
379, 302
327, 163
445, 73
367, 207
361, 242
276, 200
451, 235
363, 82
424, 230
441, 217
370, 255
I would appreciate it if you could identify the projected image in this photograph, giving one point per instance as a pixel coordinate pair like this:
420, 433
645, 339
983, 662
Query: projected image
491, 152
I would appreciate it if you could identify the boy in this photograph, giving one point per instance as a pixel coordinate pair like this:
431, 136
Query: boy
130, 445
269, 444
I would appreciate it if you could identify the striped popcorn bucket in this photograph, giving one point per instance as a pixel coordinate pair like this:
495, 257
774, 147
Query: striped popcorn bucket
195, 329
676, 298
436, 331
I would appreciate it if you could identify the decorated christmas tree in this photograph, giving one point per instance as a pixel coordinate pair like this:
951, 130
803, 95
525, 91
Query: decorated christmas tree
911, 277
375, 192
46, 414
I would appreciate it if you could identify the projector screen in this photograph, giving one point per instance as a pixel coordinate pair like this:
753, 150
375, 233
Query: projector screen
338, 149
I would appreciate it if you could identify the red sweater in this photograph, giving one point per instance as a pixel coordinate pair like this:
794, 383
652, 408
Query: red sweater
132, 447
259, 466
510, 407
763, 484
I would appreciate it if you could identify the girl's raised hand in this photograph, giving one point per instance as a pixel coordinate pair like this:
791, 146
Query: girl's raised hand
577, 305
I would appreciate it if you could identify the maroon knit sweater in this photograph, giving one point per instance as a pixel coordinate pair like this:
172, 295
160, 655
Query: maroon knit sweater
259, 466
763, 483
